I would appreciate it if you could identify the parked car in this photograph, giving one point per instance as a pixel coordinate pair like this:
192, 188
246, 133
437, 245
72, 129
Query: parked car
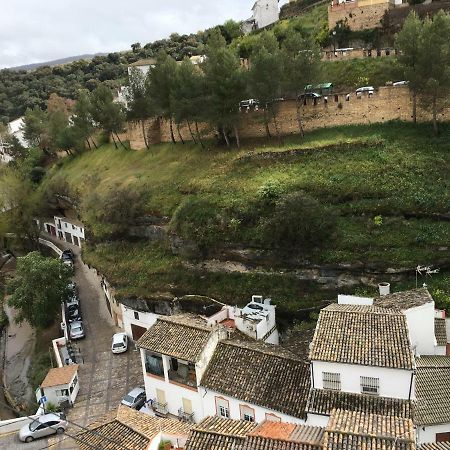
68, 253
42, 426
72, 299
76, 330
135, 399
400, 83
119, 343
247, 105
72, 287
73, 312
312, 95
369, 89
66, 259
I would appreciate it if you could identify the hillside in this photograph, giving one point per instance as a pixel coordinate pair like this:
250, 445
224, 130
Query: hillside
379, 196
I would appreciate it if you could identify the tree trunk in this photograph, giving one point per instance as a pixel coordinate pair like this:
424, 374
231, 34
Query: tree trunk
266, 123
190, 131
121, 143
89, 144
435, 122
198, 135
95, 145
115, 143
299, 117
171, 131
179, 133
236, 133
414, 107
224, 133
274, 115
144, 134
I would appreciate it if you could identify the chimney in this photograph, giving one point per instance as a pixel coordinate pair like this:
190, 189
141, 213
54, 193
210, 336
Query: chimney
384, 288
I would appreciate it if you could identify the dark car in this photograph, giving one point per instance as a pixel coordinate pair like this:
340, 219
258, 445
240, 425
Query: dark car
247, 105
68, 254
73, 312
312, 95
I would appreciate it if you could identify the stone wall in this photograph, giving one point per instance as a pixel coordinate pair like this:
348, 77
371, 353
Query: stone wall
388, 103
358, 16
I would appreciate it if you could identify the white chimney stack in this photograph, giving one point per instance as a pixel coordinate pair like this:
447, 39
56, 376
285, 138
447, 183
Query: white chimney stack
384, 288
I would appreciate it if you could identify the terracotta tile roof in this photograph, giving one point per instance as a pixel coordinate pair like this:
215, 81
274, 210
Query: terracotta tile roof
433, 361
435, 446
404, 300
440, 331
323, 402
433, 391
284, 436
218, 433
351, 429
59, 376
183, 336
298, 341
260, 374
365, 335
127, 428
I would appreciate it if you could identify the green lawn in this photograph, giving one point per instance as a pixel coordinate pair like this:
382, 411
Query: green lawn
371, 176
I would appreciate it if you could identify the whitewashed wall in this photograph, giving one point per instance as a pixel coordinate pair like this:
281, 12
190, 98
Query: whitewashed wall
421, 328
428, 433
393, 382
266, 12
146, 320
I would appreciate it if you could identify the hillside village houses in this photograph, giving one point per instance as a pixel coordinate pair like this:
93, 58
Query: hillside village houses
264, 13
14, 128
69, 230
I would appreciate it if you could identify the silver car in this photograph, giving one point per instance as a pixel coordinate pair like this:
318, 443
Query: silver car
76, 330
42, 426
135, 399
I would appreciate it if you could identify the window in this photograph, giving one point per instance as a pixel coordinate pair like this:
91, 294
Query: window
331, 381
136, 315
223, 408
370, 385
154, 364
62, 393
247, 413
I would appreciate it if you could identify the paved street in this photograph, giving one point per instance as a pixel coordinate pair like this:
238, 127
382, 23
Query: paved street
104, 377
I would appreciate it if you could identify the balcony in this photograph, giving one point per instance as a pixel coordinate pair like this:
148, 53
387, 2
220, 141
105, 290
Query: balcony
185, 417
160, 409
154, 365
182, 373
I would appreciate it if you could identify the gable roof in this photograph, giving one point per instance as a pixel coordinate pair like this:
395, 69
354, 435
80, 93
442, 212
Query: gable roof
183, 336
366, 335
144, 62
323, 402
59, 376
127, 428
404, 300
351, 429
218, 433
433, 390
260, 374
440, 331
284, 436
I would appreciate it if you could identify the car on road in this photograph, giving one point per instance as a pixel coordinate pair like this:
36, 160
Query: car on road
119, 343
400, 83
72, 287
73, 312
69, 254
43, 426
76, 330
369, 89
135, 399
311, 95
67, 260
247, 105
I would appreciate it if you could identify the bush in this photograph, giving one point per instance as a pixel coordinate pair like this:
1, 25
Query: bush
270, 190
299, 221
36, 174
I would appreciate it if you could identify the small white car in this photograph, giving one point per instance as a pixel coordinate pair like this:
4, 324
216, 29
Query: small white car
43, 426
119, 343
369, 89
135, 399
76, 330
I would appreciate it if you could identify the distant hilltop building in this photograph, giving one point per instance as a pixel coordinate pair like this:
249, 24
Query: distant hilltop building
265, 13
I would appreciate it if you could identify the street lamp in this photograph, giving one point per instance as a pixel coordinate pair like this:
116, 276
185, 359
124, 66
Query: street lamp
334, 41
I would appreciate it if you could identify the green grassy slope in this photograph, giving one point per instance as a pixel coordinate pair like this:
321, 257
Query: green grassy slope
383, 171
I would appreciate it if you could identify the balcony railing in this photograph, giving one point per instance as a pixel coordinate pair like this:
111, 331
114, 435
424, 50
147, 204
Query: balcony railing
160, 409
185, 417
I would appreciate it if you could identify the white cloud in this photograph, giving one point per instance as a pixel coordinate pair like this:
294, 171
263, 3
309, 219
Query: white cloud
35, 31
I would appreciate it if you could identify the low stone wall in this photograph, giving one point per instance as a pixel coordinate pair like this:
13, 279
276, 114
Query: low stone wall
388, 103
357, 16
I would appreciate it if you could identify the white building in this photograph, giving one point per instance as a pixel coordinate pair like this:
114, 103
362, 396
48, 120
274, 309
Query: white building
15, 128
68, 230
143, 65
60, 385
254, 381
264, 13
175, 352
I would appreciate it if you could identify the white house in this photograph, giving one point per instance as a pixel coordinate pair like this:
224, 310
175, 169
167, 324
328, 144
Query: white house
253, 381
61, 384
68, 230
257, 319
362, 349
175, 352
433, 399
264, 13
136, 323
14, 128
143, 65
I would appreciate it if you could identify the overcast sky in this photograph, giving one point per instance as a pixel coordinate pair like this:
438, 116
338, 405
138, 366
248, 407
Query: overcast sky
42, 30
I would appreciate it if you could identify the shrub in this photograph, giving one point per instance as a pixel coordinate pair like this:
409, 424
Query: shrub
300, 221
36, 174
270, 190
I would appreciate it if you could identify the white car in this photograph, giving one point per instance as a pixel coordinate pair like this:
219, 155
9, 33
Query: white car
119, 343
135, 399
400, 83
76, 330
42, 426
369, 89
